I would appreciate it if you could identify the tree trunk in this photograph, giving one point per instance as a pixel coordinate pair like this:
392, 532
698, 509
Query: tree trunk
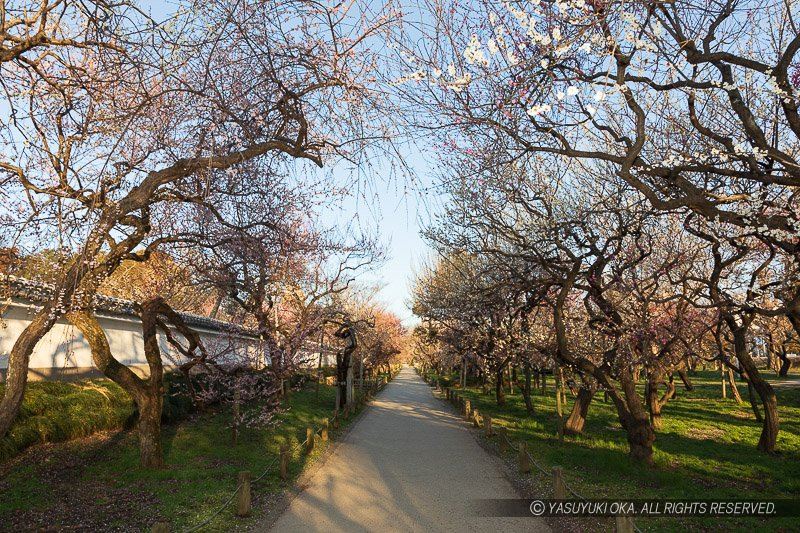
734, 389
147, 393
670, 392
558, 385
636, 421
687, 383
577, 417
18, 360
498, 387
651, 395
632, 414
349, 378
786, 363
342, 363
751, 395
526, 391
149, 426
769, 431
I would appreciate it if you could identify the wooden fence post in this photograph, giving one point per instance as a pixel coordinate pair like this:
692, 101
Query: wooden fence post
476, 419
243, 498
722, 380
467, 409
309, 440
487, 425
524, 461
324, 432
559, 489
502, 441
284, 462
623, 524
559, 410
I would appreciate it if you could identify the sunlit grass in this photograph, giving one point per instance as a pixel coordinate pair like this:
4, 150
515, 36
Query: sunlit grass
58, 411
202, 466
706, 448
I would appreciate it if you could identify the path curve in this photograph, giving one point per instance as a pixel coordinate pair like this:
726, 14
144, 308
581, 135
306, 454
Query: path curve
407, 465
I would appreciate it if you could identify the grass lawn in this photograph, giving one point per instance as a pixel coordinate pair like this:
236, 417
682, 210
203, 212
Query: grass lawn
55, 411
705, 449
100, 485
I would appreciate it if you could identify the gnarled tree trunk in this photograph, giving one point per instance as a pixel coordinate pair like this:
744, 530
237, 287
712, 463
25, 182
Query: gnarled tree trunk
687, 383
770, 428
636, 420
786, 363
577, 417
18, 360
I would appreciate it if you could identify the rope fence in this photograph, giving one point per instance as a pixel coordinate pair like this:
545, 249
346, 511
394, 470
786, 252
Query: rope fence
242, 492
623, 524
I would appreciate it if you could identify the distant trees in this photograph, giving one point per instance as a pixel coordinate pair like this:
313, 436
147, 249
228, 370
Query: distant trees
636, 163
579, 270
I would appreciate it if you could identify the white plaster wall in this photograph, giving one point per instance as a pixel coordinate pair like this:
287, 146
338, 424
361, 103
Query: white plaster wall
64, 352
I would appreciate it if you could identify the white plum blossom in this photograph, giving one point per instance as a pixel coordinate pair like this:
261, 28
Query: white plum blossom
538, 109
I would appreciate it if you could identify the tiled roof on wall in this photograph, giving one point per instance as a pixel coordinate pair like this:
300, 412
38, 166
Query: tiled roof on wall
40, 292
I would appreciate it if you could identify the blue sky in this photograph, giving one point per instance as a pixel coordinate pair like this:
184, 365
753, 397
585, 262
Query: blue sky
397, 208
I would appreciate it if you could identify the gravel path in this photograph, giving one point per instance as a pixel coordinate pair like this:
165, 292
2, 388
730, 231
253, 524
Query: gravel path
407, 465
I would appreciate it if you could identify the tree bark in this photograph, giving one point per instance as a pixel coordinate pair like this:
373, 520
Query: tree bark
769, 431
148, 393
526, 391
651, 395
654, 403
734, 388
786, 363
151, 455
577, 417
670, 392
687, 383
632, 414
18, 360
751, 395
500, 395
639, 430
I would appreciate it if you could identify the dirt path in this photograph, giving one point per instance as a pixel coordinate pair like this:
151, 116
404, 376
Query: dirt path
408, 465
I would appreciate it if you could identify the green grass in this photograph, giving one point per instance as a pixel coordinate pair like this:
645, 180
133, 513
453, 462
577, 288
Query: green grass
705, 449
202, 466
59, 411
